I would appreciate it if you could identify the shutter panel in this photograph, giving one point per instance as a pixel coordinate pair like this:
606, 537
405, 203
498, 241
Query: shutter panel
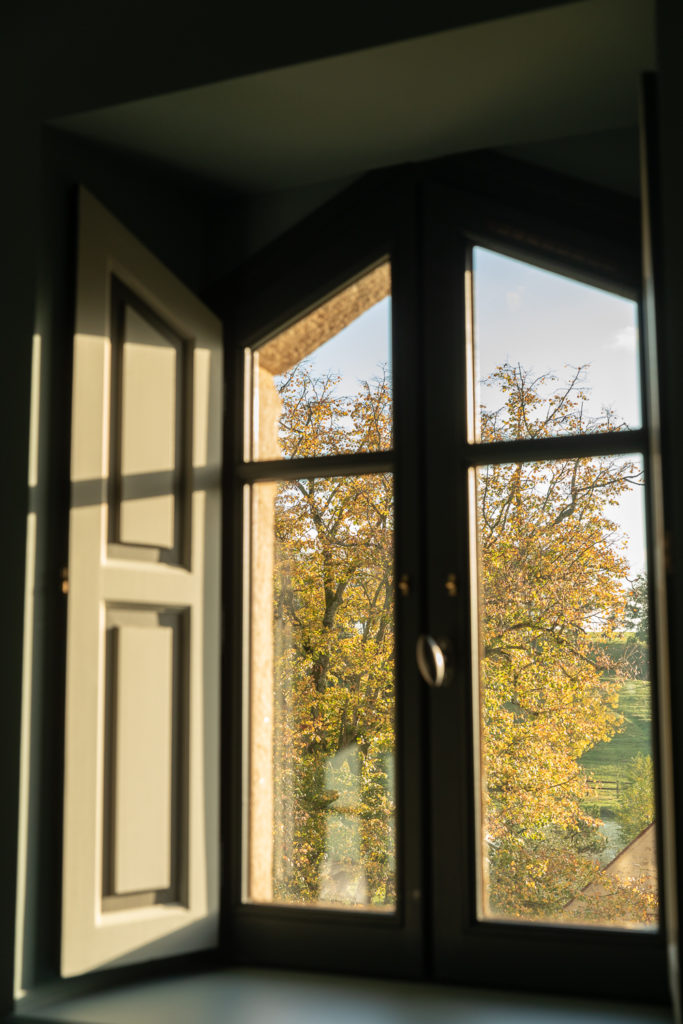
141, 832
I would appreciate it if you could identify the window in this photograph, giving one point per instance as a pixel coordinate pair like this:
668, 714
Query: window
400, 474
320, 813
322, 437
567, 828
524, 830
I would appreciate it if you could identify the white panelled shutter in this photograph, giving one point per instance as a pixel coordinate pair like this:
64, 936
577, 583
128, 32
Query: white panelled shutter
141, 832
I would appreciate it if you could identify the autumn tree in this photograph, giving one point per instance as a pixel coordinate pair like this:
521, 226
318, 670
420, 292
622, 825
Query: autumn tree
637, 807
636, 617
552, 580
334, 652
552, 599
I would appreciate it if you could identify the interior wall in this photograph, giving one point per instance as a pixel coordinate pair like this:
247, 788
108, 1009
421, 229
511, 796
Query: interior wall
19, 218
166, 213
608, 158
256, 220
74, 58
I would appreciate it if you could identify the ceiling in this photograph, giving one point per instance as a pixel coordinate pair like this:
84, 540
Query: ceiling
524, 82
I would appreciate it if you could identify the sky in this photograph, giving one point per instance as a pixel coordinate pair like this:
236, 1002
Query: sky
359, 351
544, 321
550, 323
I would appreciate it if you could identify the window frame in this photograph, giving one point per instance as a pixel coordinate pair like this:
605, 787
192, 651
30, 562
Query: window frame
412, 216
298, 276
473, 950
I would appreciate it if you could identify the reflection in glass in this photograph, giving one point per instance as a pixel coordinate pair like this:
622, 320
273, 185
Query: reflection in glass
567, 793
567, 352
322, 735
323, 386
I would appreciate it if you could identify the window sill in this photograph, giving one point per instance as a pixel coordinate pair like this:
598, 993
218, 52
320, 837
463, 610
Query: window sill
250, 994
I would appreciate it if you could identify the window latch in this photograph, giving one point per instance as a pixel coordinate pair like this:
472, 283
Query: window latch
432, 660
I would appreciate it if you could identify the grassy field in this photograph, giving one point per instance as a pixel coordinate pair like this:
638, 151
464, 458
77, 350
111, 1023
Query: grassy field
606, 762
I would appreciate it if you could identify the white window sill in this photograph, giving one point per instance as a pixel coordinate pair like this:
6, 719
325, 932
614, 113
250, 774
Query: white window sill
255, 996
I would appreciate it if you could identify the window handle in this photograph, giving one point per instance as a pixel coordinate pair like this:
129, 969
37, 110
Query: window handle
432, 660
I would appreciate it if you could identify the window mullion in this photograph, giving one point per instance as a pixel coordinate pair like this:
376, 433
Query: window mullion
318, 466
540, 449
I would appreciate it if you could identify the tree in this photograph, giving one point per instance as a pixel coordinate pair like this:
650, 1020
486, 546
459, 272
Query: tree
552, 580
637, 806
334, 671
552, 584
636, 614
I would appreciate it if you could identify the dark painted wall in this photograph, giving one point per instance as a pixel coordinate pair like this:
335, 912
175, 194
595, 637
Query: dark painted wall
18, 216
72, 57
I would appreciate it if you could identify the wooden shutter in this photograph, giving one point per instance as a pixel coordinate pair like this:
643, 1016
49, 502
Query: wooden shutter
141, 835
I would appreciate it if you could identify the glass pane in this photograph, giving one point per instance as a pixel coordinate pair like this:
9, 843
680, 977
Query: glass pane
323, 386
322, 734
567, 808
552, 356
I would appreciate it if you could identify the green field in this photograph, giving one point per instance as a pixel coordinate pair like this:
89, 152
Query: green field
606, 761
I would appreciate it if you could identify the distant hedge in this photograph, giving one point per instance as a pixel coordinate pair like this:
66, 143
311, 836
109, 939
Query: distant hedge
629, 657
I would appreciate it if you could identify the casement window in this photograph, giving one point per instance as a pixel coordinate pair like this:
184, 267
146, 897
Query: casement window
439, 749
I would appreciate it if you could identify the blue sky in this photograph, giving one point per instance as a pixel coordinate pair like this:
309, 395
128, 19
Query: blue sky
359, 351
550, 323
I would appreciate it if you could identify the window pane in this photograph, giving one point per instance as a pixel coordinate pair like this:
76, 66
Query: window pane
322, 735
568, 829
323, 386
552, 356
